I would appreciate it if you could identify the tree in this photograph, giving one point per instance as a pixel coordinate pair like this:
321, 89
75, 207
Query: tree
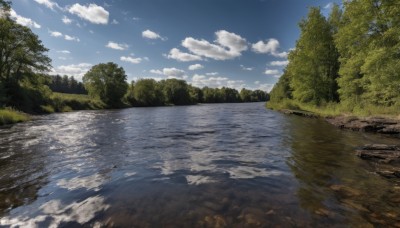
176, 92
369, 44
22, 59
106, 81
245, 95
282, 89
312, 63
147, 92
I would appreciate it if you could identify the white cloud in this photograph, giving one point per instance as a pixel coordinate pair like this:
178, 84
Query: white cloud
71, 38
117, 46
156, 72
195, 67
55, 34
131, 60
23, 20
271, 72
246, 68
216, 82
269, 47
48, 4
170, 73
92, 13
181, 56
152, 35
64, 52
212, 73
226, 46
114, 22
66, 20
76, 70
328, 6
279, 63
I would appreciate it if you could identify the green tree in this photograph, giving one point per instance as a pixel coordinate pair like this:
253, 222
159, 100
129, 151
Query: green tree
196, 94
147, 92
176, 92
282, 89
106, 81
311, 64
22, 59
369, 44
245, 95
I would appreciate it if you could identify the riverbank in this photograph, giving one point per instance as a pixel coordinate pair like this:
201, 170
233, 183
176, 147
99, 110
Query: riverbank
10, 116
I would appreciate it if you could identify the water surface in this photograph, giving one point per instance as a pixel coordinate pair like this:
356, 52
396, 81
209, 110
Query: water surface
217, 165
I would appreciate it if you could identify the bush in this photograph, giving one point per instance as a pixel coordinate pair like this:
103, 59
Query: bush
9, 116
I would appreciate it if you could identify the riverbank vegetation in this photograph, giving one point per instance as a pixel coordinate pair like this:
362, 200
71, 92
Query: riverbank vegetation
346, 63
25, 86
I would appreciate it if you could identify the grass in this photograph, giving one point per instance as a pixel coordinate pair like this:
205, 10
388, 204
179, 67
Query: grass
337, 109
10, 116
62, 102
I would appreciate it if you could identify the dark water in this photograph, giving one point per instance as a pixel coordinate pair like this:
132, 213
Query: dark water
225, 165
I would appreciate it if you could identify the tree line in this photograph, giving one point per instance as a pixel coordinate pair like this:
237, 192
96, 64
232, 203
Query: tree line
65, 84
351, 58
107, 82
24, 84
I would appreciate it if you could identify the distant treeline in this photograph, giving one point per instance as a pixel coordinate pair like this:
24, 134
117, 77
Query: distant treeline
65, 84
148, 92
349, 61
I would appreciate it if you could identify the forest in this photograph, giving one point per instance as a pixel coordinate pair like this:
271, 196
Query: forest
25, 86
348, 62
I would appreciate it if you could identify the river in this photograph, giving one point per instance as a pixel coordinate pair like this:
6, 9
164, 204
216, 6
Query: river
211, 165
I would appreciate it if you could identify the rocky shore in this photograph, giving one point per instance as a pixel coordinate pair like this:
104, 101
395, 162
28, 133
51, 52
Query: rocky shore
368, 124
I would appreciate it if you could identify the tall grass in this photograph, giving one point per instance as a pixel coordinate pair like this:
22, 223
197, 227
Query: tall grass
62, 102
337, 109
10, 116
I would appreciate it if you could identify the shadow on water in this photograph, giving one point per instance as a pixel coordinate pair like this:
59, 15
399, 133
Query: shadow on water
336, 186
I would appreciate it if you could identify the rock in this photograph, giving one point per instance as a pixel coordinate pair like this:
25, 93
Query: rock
345, 191
371, 124
380, 152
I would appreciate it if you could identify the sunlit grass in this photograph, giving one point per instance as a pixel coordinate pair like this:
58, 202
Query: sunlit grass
337, 109
62, 102
10, 116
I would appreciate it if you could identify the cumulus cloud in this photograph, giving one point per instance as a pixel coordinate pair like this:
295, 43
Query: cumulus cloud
114, 22
131, 60
216, 82
271, 47
23, 20
271, 72
171, 73
181, 56
279, 63
66, 20
71, 38
92, 13
48, 3
226, 46
195, 67
76, 70
117, 46
64, 52
55, 34
246, 68
212, 73
148, 34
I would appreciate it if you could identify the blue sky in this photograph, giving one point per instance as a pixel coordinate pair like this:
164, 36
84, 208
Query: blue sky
235, 43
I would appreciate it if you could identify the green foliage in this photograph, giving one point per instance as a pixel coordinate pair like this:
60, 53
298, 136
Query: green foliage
66, 84
10, 116
107, 82
282, 89
147, 92
175, 92
369, 44
62, 102
314, 62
